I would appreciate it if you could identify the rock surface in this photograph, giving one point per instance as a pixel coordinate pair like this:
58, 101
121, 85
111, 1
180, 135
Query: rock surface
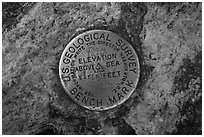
167, 38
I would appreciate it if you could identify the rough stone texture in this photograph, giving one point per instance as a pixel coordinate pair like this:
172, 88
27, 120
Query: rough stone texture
168, 98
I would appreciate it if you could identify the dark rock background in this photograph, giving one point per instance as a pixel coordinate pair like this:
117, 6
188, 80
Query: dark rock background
166, 37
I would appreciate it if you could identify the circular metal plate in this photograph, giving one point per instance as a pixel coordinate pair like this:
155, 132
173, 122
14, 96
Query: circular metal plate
99, 69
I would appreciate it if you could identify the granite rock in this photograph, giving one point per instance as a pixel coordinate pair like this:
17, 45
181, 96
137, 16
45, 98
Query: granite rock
167, 38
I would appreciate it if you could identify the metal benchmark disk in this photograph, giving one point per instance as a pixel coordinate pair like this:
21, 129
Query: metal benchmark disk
99, 69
